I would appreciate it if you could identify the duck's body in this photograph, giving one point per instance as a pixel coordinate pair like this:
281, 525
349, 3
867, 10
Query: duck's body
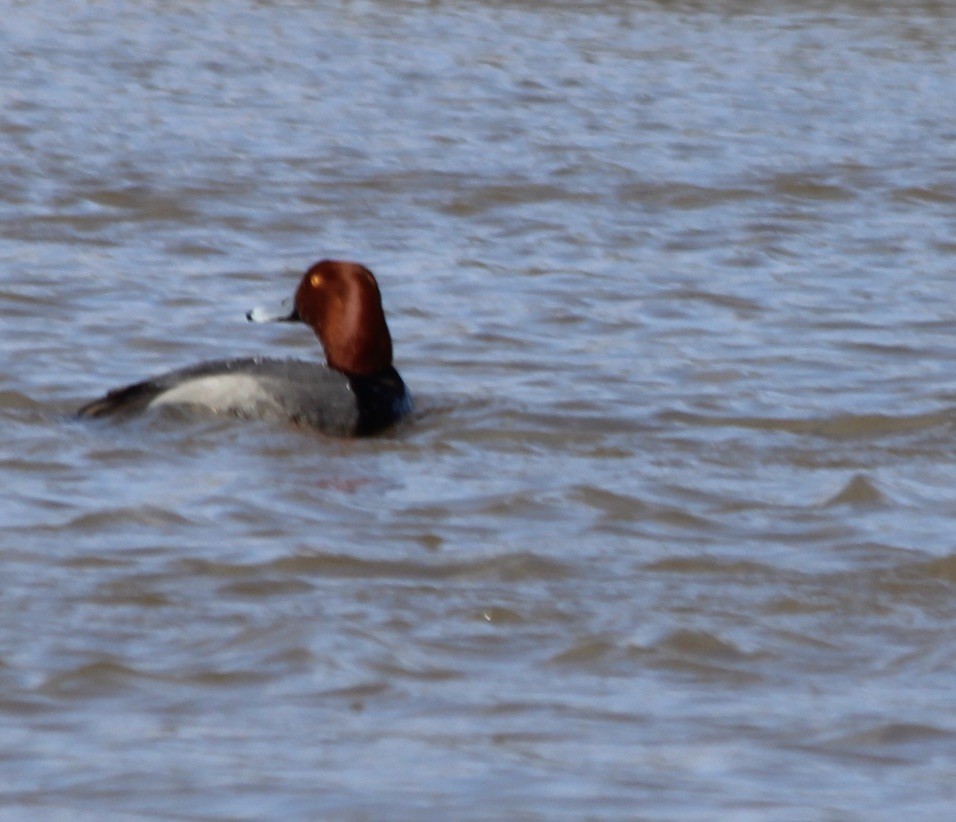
295, 391
341, 302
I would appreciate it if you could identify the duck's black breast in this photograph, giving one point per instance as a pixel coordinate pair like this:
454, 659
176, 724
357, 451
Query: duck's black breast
382, 400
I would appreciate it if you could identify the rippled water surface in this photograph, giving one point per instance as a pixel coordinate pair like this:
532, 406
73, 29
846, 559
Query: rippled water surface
672, 533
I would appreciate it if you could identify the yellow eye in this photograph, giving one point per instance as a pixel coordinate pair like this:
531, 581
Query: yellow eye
315, 280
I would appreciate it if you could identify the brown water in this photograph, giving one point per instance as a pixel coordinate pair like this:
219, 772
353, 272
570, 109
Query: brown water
672, 534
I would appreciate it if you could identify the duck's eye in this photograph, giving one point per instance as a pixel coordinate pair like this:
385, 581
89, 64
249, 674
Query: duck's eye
315, 280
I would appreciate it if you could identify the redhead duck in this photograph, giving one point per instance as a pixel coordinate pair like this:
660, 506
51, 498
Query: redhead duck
358, 392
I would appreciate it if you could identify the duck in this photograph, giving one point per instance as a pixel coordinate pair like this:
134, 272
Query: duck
356, 392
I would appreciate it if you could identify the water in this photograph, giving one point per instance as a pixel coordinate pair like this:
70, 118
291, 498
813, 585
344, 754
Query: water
671, 533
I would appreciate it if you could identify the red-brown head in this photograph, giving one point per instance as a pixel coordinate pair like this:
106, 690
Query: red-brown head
340, 300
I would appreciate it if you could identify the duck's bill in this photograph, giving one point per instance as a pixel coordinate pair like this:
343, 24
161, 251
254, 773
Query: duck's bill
284, 312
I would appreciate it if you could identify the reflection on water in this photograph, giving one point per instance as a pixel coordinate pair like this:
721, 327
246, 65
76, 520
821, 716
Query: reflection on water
670, 528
